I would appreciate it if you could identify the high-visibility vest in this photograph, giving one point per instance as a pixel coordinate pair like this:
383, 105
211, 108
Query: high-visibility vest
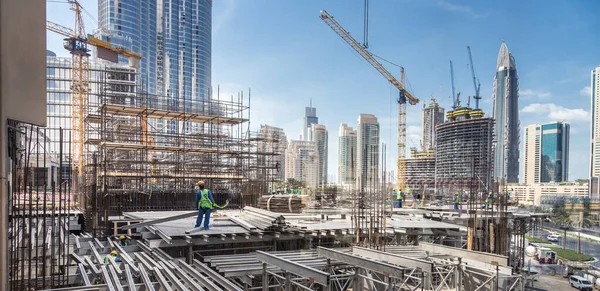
109, 258
489, 200
399, 195
204, 202
456, 200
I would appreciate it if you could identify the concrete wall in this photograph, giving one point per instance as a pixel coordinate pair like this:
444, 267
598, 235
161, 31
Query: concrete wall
22, 88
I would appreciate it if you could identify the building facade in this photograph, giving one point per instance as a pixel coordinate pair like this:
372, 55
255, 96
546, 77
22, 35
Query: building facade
433, 115
546, 153
347, 156
302, 162
595, 133
310, 118
321, 138
367, 152
174, 39
545, 193
506, 115
274, 140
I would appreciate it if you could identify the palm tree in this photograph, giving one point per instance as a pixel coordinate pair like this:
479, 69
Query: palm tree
584, 221
562, 217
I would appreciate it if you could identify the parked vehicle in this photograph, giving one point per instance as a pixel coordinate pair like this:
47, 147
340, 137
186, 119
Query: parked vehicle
545, 256
580, 283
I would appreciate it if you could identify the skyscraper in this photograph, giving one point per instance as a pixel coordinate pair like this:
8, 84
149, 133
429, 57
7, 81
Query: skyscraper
432, 116
367, 153
347, 156
275, 141
310, 117
174, 39
546, 153
595, 134
302, 162
506, 116
321, 138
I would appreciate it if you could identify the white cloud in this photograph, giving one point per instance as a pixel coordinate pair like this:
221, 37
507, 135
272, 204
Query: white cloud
459, 8
586, 91
532, 93
555, 112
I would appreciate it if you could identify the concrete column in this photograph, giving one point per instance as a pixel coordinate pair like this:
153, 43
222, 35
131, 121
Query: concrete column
265, 278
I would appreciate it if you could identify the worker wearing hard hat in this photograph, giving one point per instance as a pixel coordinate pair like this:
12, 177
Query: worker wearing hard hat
113, 256
456, 202
123, 241
400, 197
204, 203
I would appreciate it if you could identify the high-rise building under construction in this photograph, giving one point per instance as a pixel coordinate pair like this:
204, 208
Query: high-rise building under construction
347, 156
506, 116
464, 152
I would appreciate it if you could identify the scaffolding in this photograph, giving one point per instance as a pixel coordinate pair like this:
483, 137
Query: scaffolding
146, 152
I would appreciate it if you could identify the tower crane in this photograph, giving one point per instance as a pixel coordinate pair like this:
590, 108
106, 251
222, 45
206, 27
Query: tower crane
476, 83
77, 44
455, 102
403, 96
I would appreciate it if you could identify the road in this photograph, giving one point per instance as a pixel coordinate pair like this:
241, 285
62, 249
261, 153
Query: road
587, 247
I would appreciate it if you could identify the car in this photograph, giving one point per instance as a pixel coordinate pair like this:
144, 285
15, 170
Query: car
553, 237
580, 283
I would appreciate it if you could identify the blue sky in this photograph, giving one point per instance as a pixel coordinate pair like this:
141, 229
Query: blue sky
287, 55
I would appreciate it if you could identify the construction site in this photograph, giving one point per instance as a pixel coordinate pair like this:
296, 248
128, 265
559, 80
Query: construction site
114, 169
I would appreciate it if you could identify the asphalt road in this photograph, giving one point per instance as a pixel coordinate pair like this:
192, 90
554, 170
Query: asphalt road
587, 247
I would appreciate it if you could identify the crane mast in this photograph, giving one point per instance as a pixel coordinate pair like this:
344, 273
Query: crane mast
476, 83
80, 78
403, 97
454, 97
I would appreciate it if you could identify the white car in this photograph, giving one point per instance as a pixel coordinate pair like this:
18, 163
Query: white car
553, 237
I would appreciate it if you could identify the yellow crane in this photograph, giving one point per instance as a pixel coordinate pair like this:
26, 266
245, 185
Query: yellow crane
77, 44
403, 96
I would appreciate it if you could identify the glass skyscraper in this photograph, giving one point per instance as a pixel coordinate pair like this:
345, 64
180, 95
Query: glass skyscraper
367, 152
506, 115
546, 153
174, 39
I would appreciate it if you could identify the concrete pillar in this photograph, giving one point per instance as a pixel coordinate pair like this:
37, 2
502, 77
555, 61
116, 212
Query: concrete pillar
265, 278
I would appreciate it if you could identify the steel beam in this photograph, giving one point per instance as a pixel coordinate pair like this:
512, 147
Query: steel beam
161, 279
365, 263
311, 274
115, 278
190, 283
228, 285
243, 223
146, 279
95, 252
84, 276
408, 262
126, 258
160, 220
92, 265
130, 282
98, 242
107, 279
172, 278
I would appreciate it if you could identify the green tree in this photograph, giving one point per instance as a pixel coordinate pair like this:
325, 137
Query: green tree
562, 217
584, 221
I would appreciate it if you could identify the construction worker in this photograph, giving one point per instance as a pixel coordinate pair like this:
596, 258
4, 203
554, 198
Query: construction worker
418, 200
113, 256
456, 202
400, 197
488, 201
204, 202
123, 241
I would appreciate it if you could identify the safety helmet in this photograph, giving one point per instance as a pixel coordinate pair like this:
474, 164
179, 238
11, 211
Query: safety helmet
114, 253
122, 237
200, 183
